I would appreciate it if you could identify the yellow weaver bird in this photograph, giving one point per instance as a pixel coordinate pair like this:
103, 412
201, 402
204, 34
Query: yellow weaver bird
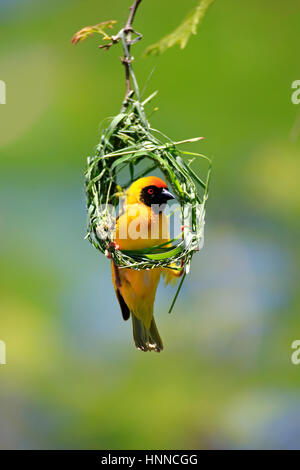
142, 225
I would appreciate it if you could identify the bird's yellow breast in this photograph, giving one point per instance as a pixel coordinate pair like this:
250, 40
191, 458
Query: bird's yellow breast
140, 227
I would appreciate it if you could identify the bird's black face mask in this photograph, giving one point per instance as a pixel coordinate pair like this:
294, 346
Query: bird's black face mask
153, 195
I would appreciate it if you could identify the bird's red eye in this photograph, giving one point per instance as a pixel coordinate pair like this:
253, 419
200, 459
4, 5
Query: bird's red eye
150, 191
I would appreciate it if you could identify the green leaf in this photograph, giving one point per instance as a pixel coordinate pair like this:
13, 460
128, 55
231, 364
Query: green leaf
182, 34
120, 160
114, 123
166, 253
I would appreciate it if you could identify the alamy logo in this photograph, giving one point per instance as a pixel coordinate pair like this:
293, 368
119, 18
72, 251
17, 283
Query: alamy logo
295, 357
2, 92
2, 352
296, 94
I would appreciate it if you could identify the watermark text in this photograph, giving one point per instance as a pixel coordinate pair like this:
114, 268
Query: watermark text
296, 94
295, 357
2, 92
2, 353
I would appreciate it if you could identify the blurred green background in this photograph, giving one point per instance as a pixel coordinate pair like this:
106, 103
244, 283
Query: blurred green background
73, 378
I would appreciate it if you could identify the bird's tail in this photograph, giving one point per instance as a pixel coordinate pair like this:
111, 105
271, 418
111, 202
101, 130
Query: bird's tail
146, 340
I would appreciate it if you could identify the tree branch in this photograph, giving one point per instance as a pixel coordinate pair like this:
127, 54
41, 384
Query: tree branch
133, 10
127, 59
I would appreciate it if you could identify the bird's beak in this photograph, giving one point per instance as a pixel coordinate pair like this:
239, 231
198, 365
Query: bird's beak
166, 195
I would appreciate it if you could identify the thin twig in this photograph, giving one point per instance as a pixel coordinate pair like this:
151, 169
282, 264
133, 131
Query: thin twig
127, 59
133, 10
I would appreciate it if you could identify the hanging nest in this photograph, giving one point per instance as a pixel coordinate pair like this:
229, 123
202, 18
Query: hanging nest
126, 142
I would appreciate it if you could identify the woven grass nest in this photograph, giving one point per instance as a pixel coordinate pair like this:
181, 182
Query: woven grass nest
126, 142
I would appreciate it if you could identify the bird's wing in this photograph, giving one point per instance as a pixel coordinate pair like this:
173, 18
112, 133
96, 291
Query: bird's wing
116, 281
124, 309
